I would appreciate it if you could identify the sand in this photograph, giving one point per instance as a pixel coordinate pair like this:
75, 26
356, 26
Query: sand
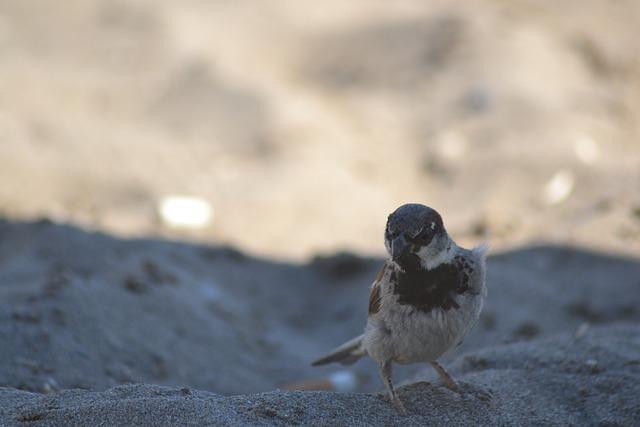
97, 329
299, 129
559, 381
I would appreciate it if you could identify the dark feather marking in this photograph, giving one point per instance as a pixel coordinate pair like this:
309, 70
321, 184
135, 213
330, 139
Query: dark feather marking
428, 289
374, 297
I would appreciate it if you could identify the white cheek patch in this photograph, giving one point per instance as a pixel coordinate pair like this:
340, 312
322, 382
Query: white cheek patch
426, 252
434, 254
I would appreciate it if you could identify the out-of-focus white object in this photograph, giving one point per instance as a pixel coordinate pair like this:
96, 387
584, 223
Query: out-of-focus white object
452, 145
558, 187
185, 211
586, 149
582, 330
50, 385
343, 381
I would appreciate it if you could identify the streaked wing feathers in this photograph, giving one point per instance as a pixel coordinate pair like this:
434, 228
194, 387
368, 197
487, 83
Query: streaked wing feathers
375, 297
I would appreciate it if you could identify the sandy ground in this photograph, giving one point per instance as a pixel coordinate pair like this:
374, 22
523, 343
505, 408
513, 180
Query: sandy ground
303, 128
87, 311
562, 381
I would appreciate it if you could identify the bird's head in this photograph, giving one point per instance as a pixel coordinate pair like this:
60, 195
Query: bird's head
414, 235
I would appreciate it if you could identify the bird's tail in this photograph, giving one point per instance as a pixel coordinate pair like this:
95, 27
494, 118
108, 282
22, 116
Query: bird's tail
346, 354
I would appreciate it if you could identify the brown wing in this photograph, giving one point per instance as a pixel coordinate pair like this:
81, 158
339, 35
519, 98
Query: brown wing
375, 297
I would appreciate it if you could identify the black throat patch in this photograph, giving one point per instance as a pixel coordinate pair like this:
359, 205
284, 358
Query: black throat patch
428, 289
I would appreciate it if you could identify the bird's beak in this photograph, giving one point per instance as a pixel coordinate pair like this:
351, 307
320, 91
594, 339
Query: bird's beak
398, 247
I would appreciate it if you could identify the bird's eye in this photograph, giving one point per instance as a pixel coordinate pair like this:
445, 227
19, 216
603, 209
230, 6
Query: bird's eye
425, 233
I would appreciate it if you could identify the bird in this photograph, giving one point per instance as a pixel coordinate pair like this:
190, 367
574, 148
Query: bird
425, 299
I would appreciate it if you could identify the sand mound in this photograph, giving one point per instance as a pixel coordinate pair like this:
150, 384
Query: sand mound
85, 315
594, 380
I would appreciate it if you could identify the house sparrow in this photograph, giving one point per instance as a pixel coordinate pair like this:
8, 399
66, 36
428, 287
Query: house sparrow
425, 299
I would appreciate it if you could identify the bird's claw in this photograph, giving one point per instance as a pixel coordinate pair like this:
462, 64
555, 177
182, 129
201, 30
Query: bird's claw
399, 406
483, 395
397, 403
453, 387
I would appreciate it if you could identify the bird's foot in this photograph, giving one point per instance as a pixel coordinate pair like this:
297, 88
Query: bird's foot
478, 394
446, 379
397, 403
483, 395
451, 385
399, 406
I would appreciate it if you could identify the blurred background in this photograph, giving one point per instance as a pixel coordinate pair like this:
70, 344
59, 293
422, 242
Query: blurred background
291, 128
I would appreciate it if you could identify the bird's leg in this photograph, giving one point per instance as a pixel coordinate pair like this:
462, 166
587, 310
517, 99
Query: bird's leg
446, 378
385, 373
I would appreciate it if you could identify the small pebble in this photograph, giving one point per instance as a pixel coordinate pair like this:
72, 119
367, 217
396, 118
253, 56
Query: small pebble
50, 385
593, 366
582, 330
